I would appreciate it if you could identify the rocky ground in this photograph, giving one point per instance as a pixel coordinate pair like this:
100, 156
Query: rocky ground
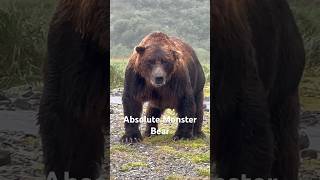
157, 157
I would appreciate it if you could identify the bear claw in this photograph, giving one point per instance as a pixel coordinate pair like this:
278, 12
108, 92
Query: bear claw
131, 139
177, 137
199, 134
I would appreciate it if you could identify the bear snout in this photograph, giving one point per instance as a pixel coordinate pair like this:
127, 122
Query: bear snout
158, 76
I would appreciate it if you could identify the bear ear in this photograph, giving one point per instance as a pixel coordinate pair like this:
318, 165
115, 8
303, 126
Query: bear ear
140, 49
176, 54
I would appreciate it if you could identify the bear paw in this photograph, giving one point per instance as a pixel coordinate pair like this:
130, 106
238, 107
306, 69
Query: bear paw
199, 134
184, 135
131, 138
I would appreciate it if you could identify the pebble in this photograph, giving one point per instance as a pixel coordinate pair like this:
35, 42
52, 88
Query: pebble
304, 141
5, 158
309, 154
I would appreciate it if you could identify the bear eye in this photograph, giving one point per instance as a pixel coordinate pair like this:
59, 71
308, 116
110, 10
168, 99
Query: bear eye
151, 61
164, 62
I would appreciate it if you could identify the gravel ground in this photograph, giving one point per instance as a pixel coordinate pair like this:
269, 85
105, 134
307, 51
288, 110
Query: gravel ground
152, 159
158, 165
25, 156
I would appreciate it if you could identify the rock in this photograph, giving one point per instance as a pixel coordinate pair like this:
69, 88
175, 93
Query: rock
204, 106
35, 103
304, 141
3, 97
11, 107
2, 107
36, 95
111, 111
5, 102
28, 93
4, 158
22, 104
309, 154
309, 118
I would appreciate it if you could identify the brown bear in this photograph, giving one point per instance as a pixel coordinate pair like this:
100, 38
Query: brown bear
258, 61
165, 72
73, 112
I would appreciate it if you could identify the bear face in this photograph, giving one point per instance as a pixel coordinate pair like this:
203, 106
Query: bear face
156, 64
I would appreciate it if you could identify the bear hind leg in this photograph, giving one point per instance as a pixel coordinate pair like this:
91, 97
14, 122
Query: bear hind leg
197, 129
285, 119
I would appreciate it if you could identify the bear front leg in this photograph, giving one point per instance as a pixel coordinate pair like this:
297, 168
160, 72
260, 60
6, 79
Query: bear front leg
132, 109
155, 113
186, 108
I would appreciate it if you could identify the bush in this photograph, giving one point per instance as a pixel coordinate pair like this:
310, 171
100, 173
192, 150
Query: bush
23, 31
120, 51
117, 70
307, 15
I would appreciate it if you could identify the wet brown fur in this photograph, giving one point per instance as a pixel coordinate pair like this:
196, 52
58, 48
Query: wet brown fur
183, 91
258, 61
89, 17
72, 114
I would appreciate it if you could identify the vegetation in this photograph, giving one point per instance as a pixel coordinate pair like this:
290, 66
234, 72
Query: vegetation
24, 26
23, 31
163, 149
131, 165
132, 20
203, 171
307, 13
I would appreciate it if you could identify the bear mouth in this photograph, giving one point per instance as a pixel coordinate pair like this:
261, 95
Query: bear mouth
158, 84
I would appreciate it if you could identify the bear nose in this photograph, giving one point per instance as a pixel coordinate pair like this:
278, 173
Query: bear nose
159, 80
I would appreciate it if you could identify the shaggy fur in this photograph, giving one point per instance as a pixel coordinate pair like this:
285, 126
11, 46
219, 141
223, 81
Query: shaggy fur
183, 91
72, 114
258, 60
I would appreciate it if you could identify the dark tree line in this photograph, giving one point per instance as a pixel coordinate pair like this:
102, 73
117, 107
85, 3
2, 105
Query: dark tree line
132, 20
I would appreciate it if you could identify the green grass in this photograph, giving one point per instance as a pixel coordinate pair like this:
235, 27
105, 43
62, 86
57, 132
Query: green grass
121, 148
131, 165
195, 150
310, 92
203, 172
175, 177
312, 165
307, 15
23, 29
117, 69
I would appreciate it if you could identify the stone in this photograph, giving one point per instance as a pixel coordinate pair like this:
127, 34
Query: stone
5, 158
28, 93
5, 102
36, 95
304, 141
309, 154
22, 104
